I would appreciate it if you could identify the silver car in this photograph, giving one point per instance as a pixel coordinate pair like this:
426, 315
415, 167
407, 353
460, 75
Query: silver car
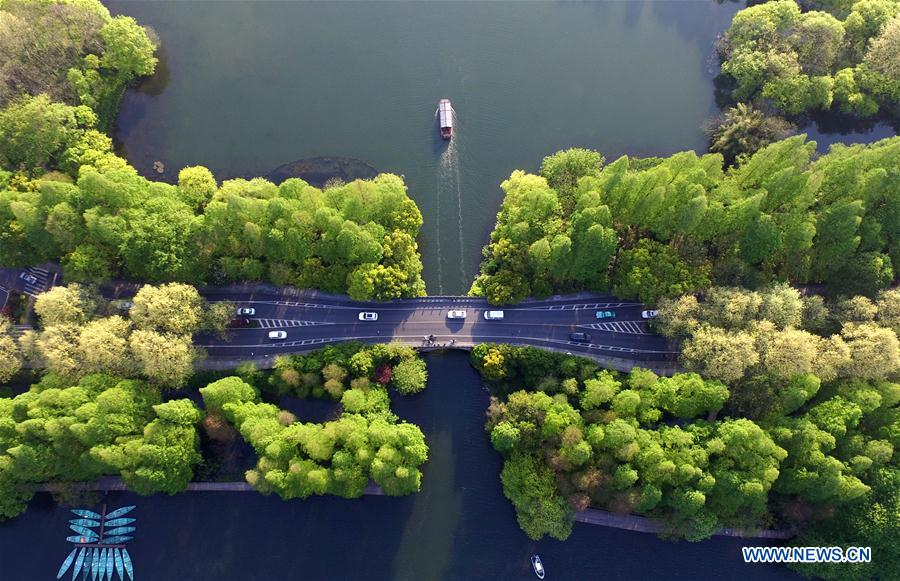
456, 314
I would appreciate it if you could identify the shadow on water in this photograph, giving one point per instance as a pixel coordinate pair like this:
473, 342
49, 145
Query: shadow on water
317, 171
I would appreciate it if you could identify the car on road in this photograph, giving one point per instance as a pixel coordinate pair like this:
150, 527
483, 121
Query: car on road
580, 337
365, 316
240, 322
606, 315
493, 315
123, 305
276, 335
246, 311
649, 314
456, 314
29, 278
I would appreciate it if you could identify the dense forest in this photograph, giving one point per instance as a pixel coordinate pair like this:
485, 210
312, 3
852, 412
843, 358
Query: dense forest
357, 238
663, 227
81, 425
684, 449
842, 56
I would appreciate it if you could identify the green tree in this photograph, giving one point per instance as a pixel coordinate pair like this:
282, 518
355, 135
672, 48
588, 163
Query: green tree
170, 308
72, 304
410, 376
166, 360
744, 130
129, 52
34, 131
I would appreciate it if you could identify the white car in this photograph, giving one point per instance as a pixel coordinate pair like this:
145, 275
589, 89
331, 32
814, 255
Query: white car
649, 314
456, 314
246, 312
276, 335
368, 316
493, 315
29, 278
123, 305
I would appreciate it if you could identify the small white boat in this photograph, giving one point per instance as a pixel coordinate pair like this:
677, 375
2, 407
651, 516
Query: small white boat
537, 566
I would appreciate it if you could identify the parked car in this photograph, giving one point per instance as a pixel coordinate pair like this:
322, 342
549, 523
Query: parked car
365, 316
246, 311
649, 314
240, 322
606, 315
29, 278
493, 315
123, 305
580, 337
456, 314
275, 335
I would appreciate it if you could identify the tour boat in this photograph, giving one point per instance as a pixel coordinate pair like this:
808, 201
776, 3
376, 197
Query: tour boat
126, 560
109, 564
120, 531
86, 513
83, 531
120, 512
445, 112
78, 563
67, 563
538, 566
120, 566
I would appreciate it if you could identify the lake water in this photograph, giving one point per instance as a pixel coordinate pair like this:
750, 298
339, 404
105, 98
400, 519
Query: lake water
248, 86
458, 527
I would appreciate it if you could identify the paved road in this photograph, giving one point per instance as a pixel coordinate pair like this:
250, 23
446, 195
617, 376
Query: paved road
313, 321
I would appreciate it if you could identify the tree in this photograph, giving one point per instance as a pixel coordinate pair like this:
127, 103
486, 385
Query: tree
72, 304
410, 376
34, 131
530, 487
163, 459
10, 358
874, 351
883, 55
167, 360
652, 271
170, 308
872, 519
217, 316
103, 347
227, 390
744, 130
719, 354
129, 52
197, 186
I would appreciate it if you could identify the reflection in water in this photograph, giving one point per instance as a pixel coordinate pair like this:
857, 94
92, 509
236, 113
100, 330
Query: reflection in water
434, 519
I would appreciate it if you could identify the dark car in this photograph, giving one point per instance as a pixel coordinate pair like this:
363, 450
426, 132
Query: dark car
580, 337
240, 322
